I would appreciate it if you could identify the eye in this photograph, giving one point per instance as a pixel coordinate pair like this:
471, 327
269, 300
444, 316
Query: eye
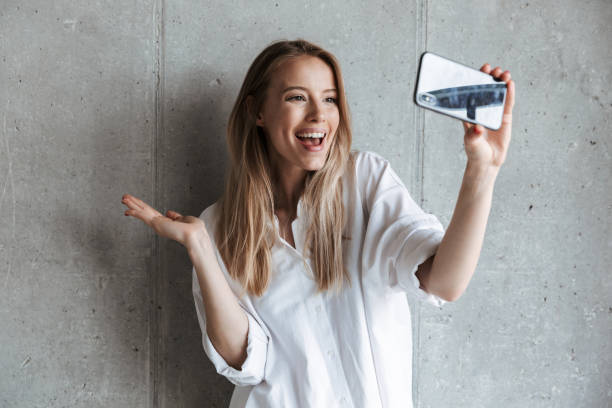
330, 99
293, 97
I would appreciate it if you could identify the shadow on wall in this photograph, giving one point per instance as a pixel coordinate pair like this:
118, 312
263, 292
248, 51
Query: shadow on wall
193, 158
191, 161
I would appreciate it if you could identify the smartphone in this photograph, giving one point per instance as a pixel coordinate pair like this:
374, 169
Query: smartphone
456, 90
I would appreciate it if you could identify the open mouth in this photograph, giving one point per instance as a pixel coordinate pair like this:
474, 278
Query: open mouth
311, 140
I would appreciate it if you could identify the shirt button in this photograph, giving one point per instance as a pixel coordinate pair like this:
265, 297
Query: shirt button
330, 353
318, 308
342, 400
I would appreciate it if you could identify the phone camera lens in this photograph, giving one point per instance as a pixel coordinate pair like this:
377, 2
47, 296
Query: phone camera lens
427, 98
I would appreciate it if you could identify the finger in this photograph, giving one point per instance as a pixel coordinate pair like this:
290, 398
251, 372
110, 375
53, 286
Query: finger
473, 133
141, 203
486, 68
133, 213
477, 129
505, 76
128, 197
132, 202
509, 101
129, 201
496, 72
137, 213
173, 214
466, 125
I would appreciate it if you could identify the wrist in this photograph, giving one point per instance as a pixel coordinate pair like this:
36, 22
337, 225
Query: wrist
198, 243
479, 178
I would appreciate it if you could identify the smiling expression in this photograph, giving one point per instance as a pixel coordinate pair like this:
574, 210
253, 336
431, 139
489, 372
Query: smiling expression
301, 98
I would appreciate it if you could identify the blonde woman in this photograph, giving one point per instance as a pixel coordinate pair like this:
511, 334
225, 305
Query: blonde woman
301, 269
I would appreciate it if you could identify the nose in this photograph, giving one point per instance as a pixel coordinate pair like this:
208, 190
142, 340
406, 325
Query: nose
317, 111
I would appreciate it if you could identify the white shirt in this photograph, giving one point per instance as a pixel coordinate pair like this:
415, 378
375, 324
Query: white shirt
350, 350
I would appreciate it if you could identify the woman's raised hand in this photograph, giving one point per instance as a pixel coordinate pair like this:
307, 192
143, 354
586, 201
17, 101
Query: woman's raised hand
487, 147
173, 225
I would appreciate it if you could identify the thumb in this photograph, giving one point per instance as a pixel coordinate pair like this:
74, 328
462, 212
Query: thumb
474, 133
173, 214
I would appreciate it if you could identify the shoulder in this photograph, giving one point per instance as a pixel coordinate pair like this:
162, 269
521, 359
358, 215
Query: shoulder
209, 216
209, 212
373, 172
366, 160
371, 166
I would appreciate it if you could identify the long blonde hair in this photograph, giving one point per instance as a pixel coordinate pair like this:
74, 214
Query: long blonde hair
245, 228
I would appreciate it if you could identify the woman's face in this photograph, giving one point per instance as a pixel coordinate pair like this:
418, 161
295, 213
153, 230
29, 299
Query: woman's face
310, 108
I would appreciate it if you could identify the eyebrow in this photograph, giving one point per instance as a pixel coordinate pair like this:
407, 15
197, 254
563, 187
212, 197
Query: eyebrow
304, 89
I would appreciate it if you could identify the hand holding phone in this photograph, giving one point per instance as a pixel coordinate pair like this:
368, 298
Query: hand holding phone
459, 91
477, 98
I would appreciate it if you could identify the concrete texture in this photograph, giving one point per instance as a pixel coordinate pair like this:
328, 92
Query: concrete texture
99, 99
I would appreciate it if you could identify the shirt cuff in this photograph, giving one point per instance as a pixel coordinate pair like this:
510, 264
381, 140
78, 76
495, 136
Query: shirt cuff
252, 370
428, 241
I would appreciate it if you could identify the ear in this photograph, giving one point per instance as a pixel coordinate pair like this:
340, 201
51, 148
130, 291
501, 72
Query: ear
250, 101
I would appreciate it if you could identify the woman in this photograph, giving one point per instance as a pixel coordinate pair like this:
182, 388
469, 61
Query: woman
302, 214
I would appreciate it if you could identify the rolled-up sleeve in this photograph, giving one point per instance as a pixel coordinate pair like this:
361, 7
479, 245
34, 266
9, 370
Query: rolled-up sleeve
422, 244
399, 234
252, 370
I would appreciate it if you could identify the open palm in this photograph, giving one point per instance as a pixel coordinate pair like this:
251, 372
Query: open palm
489, 147
172, 225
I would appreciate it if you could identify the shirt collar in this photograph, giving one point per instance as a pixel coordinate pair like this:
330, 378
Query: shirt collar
295, 224
298, 213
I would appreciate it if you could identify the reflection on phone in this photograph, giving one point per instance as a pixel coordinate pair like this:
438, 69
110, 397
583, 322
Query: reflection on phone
466, 97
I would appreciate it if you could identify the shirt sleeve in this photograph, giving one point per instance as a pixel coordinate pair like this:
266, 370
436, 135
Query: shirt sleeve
399, 234
252, 370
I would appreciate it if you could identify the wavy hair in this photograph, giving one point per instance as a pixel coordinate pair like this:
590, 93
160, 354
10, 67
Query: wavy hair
245, 230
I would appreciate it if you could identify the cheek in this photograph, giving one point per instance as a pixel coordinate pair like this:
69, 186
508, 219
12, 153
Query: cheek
282, 122
335, 119
285, 110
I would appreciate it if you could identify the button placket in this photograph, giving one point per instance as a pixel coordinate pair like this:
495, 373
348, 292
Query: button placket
330, 349
333, 359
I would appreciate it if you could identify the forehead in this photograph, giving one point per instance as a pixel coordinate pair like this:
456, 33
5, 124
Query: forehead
307, 71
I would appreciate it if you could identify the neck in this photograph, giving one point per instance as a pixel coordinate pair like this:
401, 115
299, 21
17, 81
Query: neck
288, 186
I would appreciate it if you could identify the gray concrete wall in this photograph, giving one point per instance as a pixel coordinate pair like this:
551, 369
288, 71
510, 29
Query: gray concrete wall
99, 98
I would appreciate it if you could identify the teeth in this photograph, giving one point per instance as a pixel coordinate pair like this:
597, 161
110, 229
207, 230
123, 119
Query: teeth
317, 135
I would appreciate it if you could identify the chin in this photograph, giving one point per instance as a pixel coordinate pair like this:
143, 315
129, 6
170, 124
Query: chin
314, 164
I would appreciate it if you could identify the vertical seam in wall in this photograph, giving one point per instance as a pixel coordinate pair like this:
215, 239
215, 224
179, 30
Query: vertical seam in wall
155, 338
419, 121
421, 139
